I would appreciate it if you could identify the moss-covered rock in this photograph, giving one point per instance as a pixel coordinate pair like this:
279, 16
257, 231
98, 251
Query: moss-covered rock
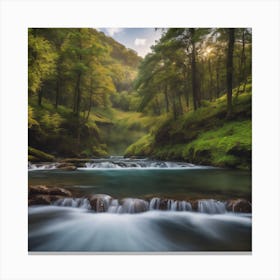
36, 155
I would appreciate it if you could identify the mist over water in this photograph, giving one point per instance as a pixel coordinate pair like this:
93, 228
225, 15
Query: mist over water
53, 228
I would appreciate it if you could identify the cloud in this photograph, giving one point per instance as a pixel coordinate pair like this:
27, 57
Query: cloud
113, 31
140, 42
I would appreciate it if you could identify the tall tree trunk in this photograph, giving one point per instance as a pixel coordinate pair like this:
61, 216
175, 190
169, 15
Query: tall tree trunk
211, 80
180, 109
77, 96
90, 100
40, 95
157, 107
230, 70
242, 63
187, 98
186, 92
174, 109
166, 99
193, 67
57, 93
218, 79
243, 57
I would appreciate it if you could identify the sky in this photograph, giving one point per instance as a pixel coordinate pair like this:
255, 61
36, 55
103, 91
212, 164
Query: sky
138, 39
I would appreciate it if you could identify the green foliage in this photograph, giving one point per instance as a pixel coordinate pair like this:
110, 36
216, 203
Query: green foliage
229, 146
85, 94
41, 61
203, 136
141, 147
73, 72
52, 122
37, 155
31, 120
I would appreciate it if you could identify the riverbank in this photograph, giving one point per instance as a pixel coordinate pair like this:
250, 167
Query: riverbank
203, 136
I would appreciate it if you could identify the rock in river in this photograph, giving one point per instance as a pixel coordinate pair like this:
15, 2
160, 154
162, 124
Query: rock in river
239, 205
100, 202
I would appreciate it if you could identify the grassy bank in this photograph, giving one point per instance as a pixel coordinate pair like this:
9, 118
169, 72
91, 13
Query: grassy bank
204, 136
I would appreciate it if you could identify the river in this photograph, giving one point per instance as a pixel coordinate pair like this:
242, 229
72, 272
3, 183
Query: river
69, 225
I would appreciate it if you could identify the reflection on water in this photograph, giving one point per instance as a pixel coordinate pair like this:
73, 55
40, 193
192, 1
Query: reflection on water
53, 228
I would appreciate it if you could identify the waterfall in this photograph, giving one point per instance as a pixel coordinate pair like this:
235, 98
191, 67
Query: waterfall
122, 163
105, 203
154, 203
118, 163
105, 164
114, 206
73, 202
211, 206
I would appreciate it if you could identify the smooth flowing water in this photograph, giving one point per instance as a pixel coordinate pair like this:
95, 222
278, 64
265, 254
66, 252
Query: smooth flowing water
71, 225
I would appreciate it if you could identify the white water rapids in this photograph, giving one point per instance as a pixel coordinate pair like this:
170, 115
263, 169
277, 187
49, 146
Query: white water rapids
120, 163
53, 228
136, 205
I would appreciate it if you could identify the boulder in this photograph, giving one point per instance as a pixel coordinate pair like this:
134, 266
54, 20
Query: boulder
47, 190
194, 204
100, 202
134, 205
60, 191
239, 205
163, 204
45, 195
68, 168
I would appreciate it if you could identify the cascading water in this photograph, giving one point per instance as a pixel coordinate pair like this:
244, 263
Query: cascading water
73, 202
77, 230
211, 206
49, 166
152, 206
104, 203
117, 163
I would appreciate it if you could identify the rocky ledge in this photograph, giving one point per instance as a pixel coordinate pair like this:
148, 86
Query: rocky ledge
49, 195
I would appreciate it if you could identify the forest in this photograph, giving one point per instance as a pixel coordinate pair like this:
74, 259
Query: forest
189, 99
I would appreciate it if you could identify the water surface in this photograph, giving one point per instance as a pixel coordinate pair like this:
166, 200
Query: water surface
62, 227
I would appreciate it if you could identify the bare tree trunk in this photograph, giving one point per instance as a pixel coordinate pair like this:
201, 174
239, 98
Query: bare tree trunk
230, 70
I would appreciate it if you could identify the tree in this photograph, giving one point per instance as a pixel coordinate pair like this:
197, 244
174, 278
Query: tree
230, 70
41, 63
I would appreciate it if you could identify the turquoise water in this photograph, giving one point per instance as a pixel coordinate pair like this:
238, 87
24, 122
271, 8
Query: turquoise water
68, 229
141, 183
